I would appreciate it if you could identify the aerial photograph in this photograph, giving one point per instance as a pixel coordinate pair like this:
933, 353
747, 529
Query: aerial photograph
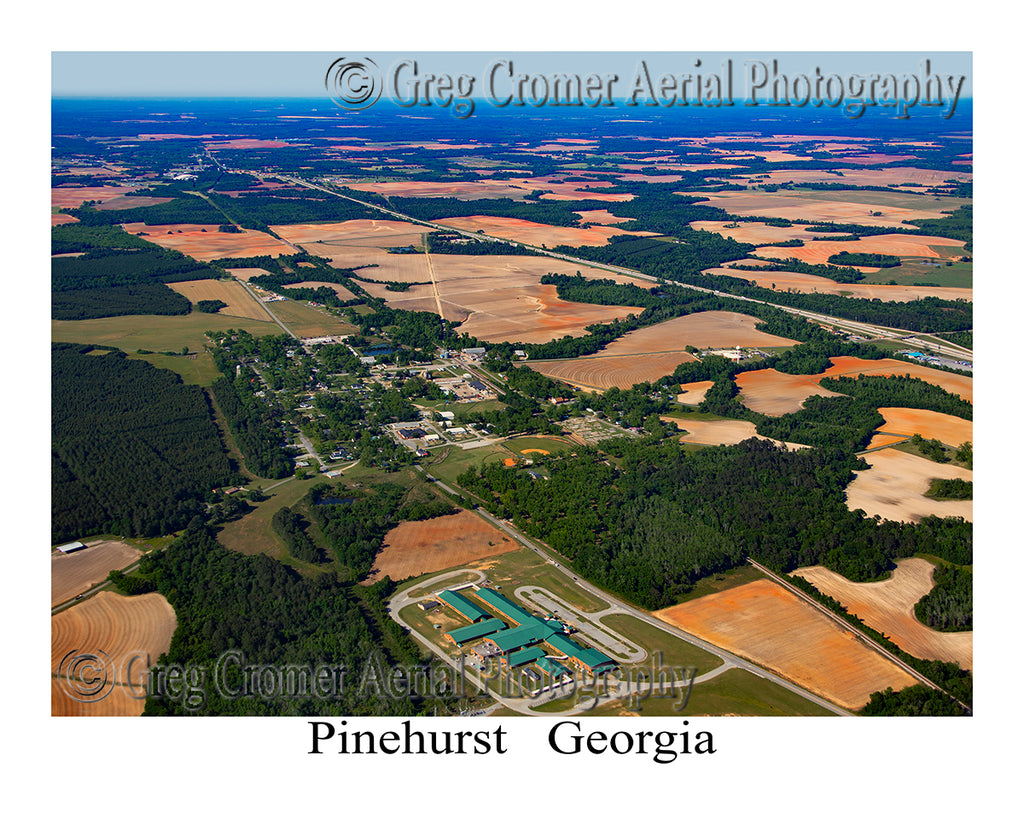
515, 384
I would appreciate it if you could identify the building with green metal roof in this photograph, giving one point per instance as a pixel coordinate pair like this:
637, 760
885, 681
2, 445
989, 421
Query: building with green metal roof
469, 610
504, 606
482, 628
523, 656
556, 670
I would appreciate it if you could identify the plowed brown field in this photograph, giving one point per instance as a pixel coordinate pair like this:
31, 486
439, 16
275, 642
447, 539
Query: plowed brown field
713, 433
602, 372
893, 488
205, 243
74, 573
343, 293
419, 547
895, 244
693, 393
775, 393
947, 428
535, 233
72, 197
769, 625
888, 607
120, 627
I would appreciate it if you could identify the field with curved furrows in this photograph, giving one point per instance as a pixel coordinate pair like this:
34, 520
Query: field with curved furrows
693, 393
771, 626
774, 393
602, 372
888, 606
120, 627
74, 573
894, 487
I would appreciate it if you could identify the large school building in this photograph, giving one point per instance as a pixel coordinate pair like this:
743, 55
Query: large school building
525, 639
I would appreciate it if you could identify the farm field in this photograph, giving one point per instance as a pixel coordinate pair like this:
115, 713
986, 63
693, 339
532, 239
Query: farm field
342, 292
119, 626
757, 233
807, 283
129, 202
420, 547
601, 372
205, 243
774, 393
713, 433
872, 176
73, 197
199, 370
805, 205
888, 606
77, 572
306, 322
928, 424
894, 244
769, 625
239, 302
895, 485
693, 393
158, 333
535, 233
354, 232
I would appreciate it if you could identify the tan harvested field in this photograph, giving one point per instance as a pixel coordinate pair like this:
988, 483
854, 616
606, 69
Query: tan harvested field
420, 547
757, 233
205, 243
895, 244
893, 488
713, 433
354, 232
72, 197
805, 283
601, 372
246, 273
128, 202
306, 322
865, 176
775, 393
120, 627
477, 189
710, 329
693, 393
239, 302
77, 572
888, 607
769, 625
601, 217
343, 293
62, 219
797, 205
949, 429
537, 234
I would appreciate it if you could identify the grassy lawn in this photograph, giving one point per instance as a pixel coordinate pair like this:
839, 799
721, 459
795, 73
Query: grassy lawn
551, 445
459, 460
157, 333
730, 579
674, 652
734, 692
526, 568
252, 533
958, 274
199, 370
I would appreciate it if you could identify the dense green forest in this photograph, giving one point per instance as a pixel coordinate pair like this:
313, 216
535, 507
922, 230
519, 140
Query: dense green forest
664, 518
949, 606
134, 451
269, 615
865, 259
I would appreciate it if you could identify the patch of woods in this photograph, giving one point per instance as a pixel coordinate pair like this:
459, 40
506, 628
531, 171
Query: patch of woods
444, 242
118, 274
949, 606
270, 615
210, 305
664, 518
134, 451
845, 257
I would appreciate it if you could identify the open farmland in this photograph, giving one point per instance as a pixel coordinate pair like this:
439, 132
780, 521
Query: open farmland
420, 547
880, 177
949, 429
121, 627
693, 393
651, 352
239, 302
343, 293
205, 243
73, 197
894, 244
774, 393
713, 433
306, 322
785, 280
888, 606
804, 205
535, 233
769, 625
895, 485
77, 572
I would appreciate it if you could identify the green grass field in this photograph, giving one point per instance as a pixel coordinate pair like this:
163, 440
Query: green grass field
551, 445
306, 322
199, 370
958, 274
674, 651
157, 333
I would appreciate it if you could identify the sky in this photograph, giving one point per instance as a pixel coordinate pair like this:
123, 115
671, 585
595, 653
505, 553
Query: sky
301, 74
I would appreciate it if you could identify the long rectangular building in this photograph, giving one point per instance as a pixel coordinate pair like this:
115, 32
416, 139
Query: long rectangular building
474, 630
467, 609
